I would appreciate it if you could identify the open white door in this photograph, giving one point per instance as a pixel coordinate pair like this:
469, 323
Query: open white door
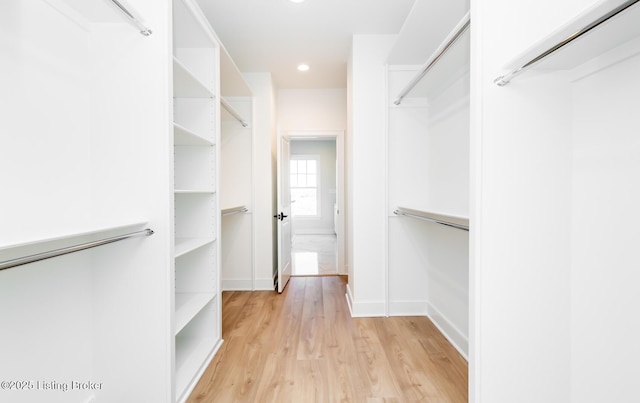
284, 214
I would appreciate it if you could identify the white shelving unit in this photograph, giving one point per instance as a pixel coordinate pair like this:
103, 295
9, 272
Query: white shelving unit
556, 158
428, 138
236, 179
197, 317
87, 156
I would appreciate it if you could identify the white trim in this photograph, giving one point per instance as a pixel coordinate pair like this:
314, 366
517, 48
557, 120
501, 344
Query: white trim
339, 136
315, 231
407, 308
237, 285
367, 309
264, 284
449, 331
349, 300
387, 129
317, 187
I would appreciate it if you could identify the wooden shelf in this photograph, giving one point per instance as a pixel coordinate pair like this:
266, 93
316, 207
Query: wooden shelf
186, 85
186, 245
185, 137
188, 305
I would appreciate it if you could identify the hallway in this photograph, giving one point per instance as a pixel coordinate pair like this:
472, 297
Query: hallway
303, 346
314, 255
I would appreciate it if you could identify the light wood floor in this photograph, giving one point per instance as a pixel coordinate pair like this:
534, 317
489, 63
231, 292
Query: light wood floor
303, 346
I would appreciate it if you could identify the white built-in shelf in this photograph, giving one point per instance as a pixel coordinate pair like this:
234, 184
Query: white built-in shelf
453, 65
232, 83
424, 29
190, 28
234, 210
188, 305
80, 235
192, 354
438, 218
186, 85
185, 137
194, 191
448, 63
230, 113
617, 30
186, 245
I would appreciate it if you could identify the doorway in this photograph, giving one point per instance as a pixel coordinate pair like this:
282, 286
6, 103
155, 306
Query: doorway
317, 188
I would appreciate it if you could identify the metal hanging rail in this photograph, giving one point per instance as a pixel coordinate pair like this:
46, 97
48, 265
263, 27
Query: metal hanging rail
143, 30
233, 112
234, 210
505, 79
449, 221
8, 264
453, 36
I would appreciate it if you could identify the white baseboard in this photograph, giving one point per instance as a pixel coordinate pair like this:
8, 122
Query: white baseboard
366, 309
316, 231
408, 308
264, 284
237, 285
458, 339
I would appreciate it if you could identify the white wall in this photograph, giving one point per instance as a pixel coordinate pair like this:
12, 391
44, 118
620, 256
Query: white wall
551, 294
264, 118
605, 218
326, 150
366, 152
312, 109
85, 145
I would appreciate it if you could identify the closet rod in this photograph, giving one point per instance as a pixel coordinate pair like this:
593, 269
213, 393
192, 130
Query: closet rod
426, 217
505, 79
143, 30
453, 36
233, 112
234, 210
70, 249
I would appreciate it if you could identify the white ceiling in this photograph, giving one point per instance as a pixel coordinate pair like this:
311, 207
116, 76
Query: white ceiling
277, 35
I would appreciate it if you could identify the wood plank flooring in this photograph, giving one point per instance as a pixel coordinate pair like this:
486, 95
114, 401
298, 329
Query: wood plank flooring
303, 346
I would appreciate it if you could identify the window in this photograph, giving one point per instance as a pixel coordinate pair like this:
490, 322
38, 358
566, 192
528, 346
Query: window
305, 192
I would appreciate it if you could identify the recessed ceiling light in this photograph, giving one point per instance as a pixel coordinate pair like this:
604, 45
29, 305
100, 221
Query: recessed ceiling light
303, 67
296, 1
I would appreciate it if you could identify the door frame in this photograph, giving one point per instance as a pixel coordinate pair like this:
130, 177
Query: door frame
338, 135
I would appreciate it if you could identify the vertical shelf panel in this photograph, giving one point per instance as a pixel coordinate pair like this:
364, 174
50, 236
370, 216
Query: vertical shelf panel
196, 138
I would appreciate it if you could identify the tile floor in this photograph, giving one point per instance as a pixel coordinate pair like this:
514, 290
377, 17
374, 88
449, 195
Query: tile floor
314, 255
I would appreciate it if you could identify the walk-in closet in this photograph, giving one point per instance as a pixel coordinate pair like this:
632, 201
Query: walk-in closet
428, 169
487, 161
236, 179
111, 158
555, 164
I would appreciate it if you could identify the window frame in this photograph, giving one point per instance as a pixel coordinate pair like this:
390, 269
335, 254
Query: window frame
317, 187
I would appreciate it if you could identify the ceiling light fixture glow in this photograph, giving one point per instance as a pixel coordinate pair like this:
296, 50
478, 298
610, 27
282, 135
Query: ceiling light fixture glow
303, 67
296, 1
